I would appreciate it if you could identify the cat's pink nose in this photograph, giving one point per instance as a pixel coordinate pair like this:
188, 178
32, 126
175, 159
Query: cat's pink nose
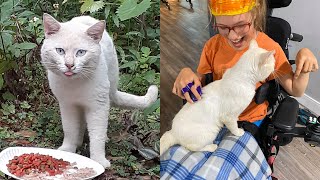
69, 66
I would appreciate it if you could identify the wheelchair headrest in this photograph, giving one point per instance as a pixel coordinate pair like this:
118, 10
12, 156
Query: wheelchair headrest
279, 30
278, 3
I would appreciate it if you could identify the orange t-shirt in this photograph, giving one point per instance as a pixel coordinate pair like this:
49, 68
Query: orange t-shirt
217, 56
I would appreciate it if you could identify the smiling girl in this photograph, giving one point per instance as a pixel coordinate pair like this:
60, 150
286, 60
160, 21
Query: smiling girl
238, 22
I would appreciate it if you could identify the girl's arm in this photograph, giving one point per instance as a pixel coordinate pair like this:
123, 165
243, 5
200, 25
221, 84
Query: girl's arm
296, 84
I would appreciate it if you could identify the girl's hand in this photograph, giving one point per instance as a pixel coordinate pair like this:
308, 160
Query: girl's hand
306, 62
185, 77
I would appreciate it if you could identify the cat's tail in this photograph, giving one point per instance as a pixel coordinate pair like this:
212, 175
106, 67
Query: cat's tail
127, 100
166, 141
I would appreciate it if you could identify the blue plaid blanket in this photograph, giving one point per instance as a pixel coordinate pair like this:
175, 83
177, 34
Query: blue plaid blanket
235, 158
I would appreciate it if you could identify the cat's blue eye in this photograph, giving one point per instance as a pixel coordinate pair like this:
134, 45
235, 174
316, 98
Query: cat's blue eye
60, 51
81, 52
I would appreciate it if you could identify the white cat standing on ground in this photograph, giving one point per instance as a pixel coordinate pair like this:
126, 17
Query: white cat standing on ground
197, 125
83, 74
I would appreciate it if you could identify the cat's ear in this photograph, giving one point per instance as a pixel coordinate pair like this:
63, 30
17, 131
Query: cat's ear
253, 44
51, 25
265, 57
96, 31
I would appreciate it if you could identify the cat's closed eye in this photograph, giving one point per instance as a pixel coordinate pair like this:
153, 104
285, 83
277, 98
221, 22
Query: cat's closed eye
81, 52
60, 51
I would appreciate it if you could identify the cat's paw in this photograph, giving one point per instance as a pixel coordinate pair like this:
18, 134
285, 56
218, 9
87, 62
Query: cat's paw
103, 161
68, 148
210, 148
240, 132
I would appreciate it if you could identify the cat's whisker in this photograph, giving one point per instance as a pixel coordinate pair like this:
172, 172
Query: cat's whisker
88, 67
89, 73
84, 75
277, 75
88, 70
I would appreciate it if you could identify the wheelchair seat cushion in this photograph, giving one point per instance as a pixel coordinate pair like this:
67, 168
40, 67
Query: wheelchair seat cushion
235, 158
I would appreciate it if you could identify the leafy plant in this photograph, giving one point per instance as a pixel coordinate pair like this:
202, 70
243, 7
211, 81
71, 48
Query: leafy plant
29, 113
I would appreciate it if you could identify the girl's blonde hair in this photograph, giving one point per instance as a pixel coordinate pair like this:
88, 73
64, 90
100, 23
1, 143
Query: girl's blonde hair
258, 12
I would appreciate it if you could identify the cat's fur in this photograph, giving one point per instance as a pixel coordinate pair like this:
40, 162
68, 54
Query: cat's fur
85, 89
197, 125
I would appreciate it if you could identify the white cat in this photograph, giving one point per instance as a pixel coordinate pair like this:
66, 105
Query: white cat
83, 74
197, 125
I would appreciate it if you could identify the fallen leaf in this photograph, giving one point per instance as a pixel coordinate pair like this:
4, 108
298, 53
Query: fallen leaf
114, 158
25, 133
21, 142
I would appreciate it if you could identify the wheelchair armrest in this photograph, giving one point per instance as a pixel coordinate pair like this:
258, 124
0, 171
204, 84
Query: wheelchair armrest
268, 91
286, 115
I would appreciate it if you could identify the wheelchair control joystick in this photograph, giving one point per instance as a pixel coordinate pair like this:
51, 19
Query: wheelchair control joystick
312, 135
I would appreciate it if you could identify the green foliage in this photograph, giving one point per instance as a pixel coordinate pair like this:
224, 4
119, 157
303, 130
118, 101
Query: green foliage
130, 8
91, 6
29, 113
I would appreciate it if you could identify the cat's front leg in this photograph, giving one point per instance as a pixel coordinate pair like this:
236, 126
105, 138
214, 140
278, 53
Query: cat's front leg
232, 125
72, 127
97, 122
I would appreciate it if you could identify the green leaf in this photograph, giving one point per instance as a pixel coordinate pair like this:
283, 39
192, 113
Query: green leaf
26, 14
17, 53
25, 105
8, 109
152, 108
115, 20
107, 11
91, 6
7, 39
7, 9
22, 115
64, 1
153, 59
135, 53
121, 53
129, 64
134, 33
26, 45
146, 51
7, 95
130, 9
149, 76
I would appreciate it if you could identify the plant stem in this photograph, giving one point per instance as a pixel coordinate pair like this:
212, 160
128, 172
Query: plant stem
4, 49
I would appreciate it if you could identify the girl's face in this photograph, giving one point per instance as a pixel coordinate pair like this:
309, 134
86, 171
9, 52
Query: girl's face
238, 30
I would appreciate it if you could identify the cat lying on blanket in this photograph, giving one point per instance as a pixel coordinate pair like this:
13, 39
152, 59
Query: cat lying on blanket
196, 125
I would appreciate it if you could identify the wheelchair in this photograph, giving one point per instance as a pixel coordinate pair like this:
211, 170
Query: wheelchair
279, 126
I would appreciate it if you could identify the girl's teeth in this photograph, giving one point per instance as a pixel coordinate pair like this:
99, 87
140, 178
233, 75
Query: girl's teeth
236, 41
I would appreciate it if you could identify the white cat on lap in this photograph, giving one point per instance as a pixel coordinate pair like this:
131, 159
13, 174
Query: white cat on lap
197, 125
83, 74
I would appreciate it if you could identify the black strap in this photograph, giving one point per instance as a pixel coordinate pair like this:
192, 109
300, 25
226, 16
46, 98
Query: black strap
251, 128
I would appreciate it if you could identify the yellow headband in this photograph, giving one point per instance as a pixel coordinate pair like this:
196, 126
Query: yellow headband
231, 7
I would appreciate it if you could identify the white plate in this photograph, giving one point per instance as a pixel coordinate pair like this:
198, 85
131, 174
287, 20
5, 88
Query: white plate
81, 161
